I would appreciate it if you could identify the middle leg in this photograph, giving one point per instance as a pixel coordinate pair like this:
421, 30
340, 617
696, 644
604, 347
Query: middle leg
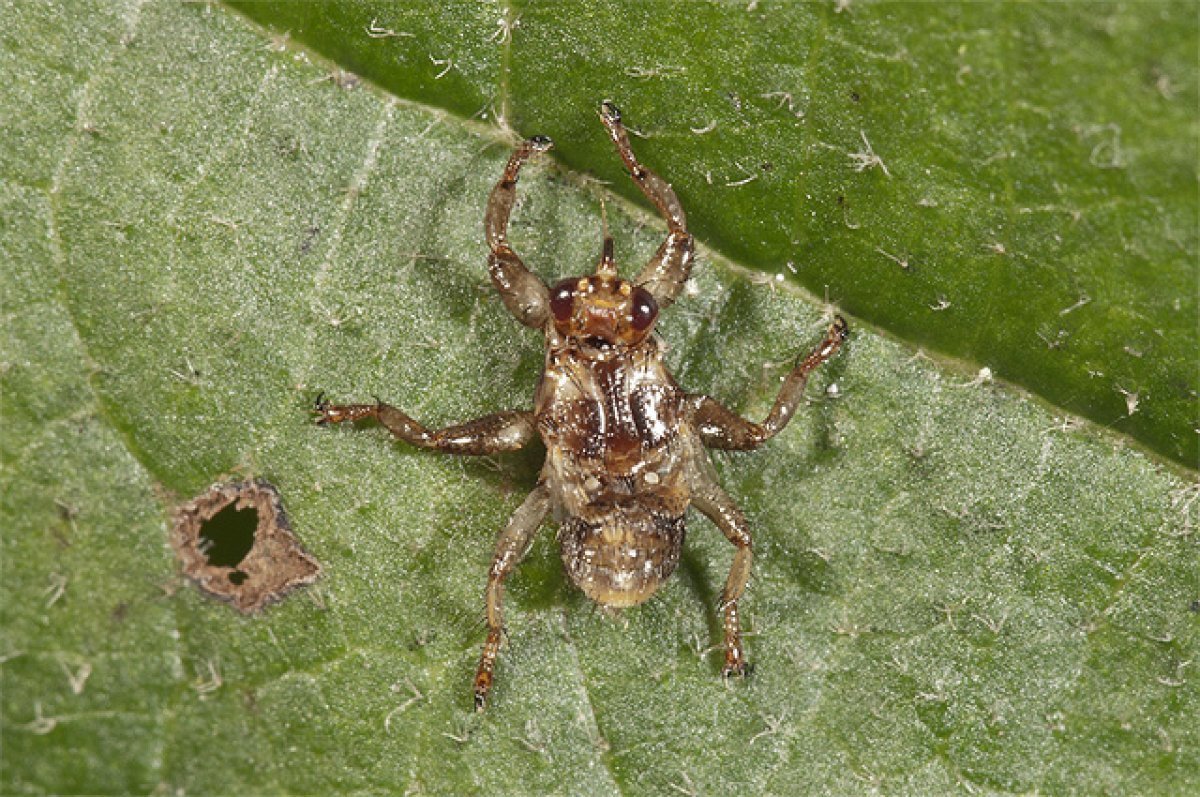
720, 427
491, 434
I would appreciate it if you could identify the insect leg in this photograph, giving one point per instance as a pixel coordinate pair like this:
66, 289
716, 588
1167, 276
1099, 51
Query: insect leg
524, 294
491, 434
668, 270
510, 549
714, 502
721, 428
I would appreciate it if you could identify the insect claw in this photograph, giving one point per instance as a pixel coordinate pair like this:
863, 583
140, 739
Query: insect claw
321, 408
483, 683
743, 670
610, 113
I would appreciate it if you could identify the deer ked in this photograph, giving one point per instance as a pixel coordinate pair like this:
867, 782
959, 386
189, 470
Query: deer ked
625, 445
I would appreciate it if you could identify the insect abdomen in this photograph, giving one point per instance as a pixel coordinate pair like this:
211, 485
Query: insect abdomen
621, 560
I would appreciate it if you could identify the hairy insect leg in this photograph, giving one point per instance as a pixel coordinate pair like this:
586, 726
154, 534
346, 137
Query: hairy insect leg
524, 294
511, 546
714, 502
656, 189
668, 270
722, 428
491, 434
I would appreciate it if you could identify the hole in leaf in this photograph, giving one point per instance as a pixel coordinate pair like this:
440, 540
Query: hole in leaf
228, 536
234, 541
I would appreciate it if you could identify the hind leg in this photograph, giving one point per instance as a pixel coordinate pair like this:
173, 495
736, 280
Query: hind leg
510, 548
714, 502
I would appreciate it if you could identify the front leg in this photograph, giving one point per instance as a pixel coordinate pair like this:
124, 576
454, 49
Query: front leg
523, 293
666, 273
491, 434
721, 428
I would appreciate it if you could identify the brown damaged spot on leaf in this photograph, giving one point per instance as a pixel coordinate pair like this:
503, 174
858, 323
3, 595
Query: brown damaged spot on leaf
235, 542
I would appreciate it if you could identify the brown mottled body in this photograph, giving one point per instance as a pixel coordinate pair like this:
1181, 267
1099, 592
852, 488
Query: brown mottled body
625, 446
618, 443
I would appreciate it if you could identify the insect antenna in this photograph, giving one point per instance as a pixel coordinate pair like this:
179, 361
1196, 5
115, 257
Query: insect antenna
607, 267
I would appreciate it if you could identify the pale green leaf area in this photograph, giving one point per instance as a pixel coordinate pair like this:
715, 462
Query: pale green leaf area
957, 587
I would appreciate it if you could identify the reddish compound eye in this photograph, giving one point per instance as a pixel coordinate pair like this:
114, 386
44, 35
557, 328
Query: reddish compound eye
645, 309
562, 300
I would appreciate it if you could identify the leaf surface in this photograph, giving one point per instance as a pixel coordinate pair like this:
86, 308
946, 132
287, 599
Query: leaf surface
956, 586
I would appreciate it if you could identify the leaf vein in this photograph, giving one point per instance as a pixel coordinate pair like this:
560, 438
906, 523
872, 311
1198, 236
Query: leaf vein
599, 743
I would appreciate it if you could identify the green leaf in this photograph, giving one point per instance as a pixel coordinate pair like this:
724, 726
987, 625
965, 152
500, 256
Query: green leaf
956, 585
1011, 184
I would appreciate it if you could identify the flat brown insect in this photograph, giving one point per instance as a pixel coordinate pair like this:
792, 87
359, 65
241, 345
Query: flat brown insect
625, 446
